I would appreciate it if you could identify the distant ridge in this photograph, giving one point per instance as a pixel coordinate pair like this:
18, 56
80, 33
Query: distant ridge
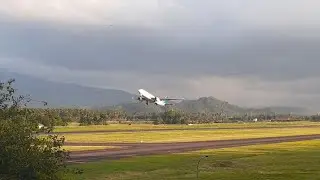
76, 96
205, 105
65, 94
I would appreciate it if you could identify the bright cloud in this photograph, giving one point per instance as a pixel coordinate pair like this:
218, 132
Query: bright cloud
254, 14
247, 52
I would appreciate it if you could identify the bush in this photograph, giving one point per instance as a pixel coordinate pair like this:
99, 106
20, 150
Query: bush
23, 154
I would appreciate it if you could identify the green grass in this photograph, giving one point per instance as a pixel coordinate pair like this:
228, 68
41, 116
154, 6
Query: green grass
72, 128
184, 136
284, 161
85, 148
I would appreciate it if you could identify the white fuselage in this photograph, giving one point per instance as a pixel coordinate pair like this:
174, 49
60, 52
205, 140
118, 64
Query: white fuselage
144, 95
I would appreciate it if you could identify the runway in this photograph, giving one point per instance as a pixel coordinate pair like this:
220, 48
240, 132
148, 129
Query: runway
143, 149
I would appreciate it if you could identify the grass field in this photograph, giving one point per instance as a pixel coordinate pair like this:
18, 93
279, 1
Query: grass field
84, 148
72, 128
184, 136
284, 161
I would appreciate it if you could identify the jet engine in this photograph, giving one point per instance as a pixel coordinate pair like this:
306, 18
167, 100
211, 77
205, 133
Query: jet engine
139, 98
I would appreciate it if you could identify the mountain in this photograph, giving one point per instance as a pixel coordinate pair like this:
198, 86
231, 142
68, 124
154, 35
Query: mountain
72, 95
65, 94
208, 104
203, 105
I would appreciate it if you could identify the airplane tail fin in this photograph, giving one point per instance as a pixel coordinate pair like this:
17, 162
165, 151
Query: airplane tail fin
166, 102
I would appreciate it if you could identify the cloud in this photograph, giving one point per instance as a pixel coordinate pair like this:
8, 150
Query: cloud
245, 91
246, 52
124, 80
265, 55
97, 12
254, 14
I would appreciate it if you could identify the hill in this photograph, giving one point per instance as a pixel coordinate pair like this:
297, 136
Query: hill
73, 95
208, 104
203, 105
64, 94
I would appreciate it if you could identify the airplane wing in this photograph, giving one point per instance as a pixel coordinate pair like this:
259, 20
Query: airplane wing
168, 99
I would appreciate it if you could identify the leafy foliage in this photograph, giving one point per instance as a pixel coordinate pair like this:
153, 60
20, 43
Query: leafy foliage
23, 155
63, 116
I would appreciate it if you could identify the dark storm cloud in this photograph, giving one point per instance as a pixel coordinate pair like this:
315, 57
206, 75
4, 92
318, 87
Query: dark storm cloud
262, 54
246, 52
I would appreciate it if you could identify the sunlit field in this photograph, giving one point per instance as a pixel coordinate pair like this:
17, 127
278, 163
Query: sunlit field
284, 161
187, 135
74, 127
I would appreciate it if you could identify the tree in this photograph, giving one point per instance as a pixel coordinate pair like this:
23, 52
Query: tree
172, 117
23, 155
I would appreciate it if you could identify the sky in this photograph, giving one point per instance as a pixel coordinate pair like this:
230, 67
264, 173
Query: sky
247, 52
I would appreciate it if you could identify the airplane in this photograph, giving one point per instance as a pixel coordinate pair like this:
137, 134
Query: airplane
149, 98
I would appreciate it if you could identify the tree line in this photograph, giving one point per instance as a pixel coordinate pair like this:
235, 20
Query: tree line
63, 116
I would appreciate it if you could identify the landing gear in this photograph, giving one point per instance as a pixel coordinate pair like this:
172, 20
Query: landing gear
147, 102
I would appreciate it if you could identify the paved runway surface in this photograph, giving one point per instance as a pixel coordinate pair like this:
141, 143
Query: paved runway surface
141, 149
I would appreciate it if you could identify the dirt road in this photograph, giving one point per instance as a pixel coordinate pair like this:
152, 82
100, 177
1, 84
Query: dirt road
141, 149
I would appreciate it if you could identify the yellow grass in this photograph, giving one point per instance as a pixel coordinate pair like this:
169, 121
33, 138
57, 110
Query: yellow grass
188, 135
